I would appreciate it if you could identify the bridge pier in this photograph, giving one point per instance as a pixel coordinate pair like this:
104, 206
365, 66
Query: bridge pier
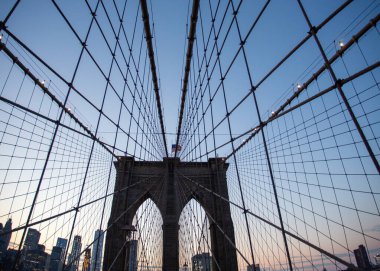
167, 184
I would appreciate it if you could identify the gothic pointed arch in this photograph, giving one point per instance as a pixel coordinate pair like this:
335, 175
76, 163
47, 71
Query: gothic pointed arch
171, 184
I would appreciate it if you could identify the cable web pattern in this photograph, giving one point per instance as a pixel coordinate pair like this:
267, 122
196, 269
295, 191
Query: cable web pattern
303, 162
284, 94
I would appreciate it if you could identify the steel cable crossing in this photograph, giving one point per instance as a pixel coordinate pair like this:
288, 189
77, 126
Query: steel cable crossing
303, 165
198, 136
85, 186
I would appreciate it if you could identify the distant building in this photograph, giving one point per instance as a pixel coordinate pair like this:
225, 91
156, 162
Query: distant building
201, 262
132, 257
86, 260
97, 251
250, 267
5, 239
56, 262
9, 260
57, 255
73, 261
377, 258
62, 242
35, 259
362, 259
31, 240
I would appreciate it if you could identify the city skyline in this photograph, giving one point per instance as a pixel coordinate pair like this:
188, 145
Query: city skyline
56, 253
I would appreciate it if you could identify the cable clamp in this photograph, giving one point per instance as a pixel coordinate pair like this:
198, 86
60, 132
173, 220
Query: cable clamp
338, 83
313, 30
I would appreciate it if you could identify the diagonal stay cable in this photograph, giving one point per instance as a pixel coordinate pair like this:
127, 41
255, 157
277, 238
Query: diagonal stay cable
148, 37
340, 260
253, 131
339, 88
282, 61
281, 110
183, 199
115, 221
218, 226
96, 63
77, 208
4, 48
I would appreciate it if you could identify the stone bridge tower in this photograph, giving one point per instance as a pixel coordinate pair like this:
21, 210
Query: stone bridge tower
159, 182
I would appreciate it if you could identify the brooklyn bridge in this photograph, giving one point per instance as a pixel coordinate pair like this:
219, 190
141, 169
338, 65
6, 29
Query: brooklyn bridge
189, 135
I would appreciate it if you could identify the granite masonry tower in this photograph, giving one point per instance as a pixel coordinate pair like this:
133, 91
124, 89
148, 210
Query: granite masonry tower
137, 181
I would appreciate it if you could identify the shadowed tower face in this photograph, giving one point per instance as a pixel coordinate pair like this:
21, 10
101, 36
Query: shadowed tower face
167, 183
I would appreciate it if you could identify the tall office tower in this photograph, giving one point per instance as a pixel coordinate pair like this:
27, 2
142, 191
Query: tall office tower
57, 255
61, 242
362, 259
32, 239
201, 262
132, 257
74, 257
56, 262
6, 238
97, 250
35, 259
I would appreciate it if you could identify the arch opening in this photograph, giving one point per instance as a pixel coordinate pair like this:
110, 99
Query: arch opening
195, 251
144, 251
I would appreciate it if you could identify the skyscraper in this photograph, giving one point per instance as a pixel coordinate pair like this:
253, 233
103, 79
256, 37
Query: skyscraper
201, 262
56, 259
5, 239
362, 259
73, 261
35, 259
32, 239
61, 242
57, 254
132, 257
97, 249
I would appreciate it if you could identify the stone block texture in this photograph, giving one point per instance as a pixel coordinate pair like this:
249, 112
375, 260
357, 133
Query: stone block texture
171, 184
